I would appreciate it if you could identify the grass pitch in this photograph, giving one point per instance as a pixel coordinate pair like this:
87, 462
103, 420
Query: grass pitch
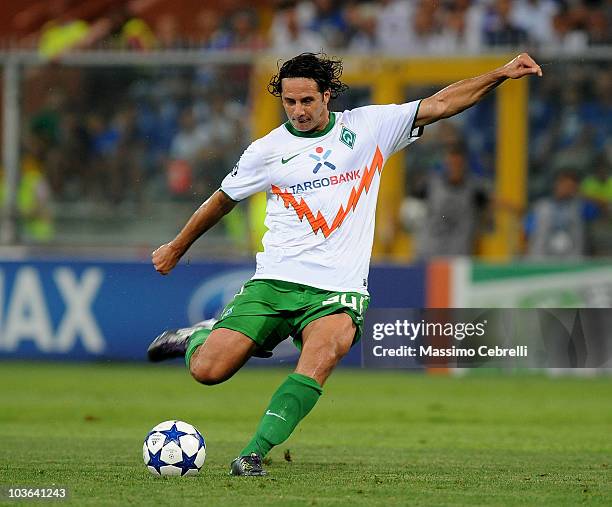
375, 437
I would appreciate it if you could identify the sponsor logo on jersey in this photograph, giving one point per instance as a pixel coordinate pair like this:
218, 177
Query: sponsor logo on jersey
347, 136
316, 220
321, 159
285, 160
325, 182
234, 171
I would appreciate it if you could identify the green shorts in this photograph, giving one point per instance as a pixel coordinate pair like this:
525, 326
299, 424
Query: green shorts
268, 311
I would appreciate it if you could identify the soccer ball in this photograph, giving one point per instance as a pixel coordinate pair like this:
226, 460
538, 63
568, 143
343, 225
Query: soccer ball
174, 448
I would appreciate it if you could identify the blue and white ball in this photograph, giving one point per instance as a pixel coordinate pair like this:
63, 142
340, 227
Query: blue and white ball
174, 448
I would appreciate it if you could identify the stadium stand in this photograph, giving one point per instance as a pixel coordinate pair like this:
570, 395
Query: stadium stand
110, 143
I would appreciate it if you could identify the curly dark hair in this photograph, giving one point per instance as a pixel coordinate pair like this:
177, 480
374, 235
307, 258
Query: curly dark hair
318, 66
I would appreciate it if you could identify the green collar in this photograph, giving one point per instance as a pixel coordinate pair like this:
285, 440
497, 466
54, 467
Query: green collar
316, 133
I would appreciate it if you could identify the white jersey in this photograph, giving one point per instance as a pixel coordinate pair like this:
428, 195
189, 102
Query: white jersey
322, 189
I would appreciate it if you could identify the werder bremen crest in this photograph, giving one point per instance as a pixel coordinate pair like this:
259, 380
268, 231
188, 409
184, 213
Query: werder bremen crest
347, 136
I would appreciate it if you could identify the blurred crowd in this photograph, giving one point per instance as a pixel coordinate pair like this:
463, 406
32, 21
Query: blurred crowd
136, 136
171, 135
399, 27
125, 136
450, 202
403, 27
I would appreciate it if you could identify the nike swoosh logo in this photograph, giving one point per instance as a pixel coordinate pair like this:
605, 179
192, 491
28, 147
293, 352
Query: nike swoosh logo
285, 160
275, 415
315, 219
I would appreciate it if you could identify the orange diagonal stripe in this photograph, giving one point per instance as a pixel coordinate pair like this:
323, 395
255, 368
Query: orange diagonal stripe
319, 223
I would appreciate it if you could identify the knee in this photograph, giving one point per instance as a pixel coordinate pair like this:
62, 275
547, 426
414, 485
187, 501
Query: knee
340, 347
345, 338
334, 349
205, 373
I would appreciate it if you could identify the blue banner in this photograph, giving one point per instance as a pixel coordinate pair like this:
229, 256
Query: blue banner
77, 310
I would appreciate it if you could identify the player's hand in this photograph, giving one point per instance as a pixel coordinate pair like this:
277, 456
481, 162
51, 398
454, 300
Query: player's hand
166, 257
522, 65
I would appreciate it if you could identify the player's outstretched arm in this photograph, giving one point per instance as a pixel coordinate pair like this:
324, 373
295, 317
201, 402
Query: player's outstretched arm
463, 94
208, 214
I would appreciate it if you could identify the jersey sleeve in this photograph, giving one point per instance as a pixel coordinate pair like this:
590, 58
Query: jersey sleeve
393, 125
249, 176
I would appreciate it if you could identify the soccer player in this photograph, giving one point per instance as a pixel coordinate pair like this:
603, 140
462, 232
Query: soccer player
321, 171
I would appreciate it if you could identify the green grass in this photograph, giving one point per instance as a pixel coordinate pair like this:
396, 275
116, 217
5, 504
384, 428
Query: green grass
375, 437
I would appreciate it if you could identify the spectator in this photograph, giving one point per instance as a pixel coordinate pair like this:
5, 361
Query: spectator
245, 32
455, 201
556, 226
597, 189
33, 201
104, 138
454, 27
224, 139
288, 36
211, 34
599, 28
156, 120
597, 109
61, 32
567, 33
574, 144
136, 35
45, 127
109, 31
65, 34
425, 29
116, 156
607, 9
393, 26
168, 33
361, 27
572, 102
325, 18
190, 139
536, 18
500, 29
597, 186
71, 160
188, 148
130, 155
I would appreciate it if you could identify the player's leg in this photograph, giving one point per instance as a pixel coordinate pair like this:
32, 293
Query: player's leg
325, 341
222, 353
211, 356
254, 312
174, 343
